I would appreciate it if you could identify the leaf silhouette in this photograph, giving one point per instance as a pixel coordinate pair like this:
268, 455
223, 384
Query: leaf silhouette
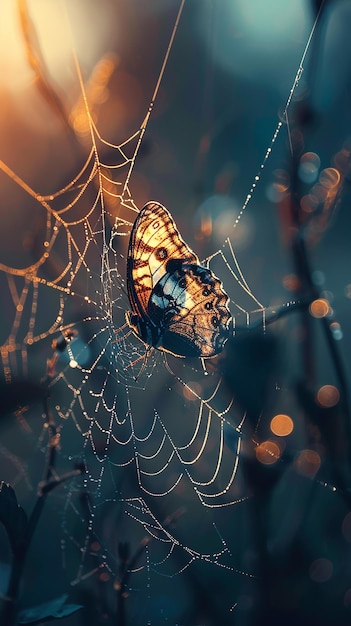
14, 518
55, 609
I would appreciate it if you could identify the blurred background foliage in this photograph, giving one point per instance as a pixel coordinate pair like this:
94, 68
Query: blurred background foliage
227, 81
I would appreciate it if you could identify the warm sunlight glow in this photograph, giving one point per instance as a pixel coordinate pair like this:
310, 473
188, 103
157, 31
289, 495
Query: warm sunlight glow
15, 73
28, 40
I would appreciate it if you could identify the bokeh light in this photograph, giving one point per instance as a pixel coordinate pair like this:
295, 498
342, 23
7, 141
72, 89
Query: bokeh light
282, 425
291, 282
268, 452
336, 331
309, 167
261, 29
329, 177
319, 308
346, 527
321, 570
214, 219
309, 203
327, 396
308, 463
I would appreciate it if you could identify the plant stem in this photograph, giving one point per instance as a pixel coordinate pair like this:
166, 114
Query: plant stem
9, 613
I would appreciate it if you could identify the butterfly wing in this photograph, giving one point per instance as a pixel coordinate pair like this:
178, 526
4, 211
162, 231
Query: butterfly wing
177, 305
192, 308
154, 241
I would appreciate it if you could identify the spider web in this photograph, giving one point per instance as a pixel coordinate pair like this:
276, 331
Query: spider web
160, 438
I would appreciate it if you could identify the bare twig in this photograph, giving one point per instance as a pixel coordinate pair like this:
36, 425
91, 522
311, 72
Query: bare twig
49, 482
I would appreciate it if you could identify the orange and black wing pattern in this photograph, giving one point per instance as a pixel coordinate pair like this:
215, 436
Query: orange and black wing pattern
177, 305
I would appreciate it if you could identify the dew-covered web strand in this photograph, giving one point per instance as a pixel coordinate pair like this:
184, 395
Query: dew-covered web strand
156, 90
77, 404
285, 117
241, 280
138, 134
235, 269
231, 261
186, 464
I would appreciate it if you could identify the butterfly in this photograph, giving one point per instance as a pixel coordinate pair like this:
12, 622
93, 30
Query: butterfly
177, 305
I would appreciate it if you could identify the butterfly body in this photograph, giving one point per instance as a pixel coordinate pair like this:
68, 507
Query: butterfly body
178, 305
